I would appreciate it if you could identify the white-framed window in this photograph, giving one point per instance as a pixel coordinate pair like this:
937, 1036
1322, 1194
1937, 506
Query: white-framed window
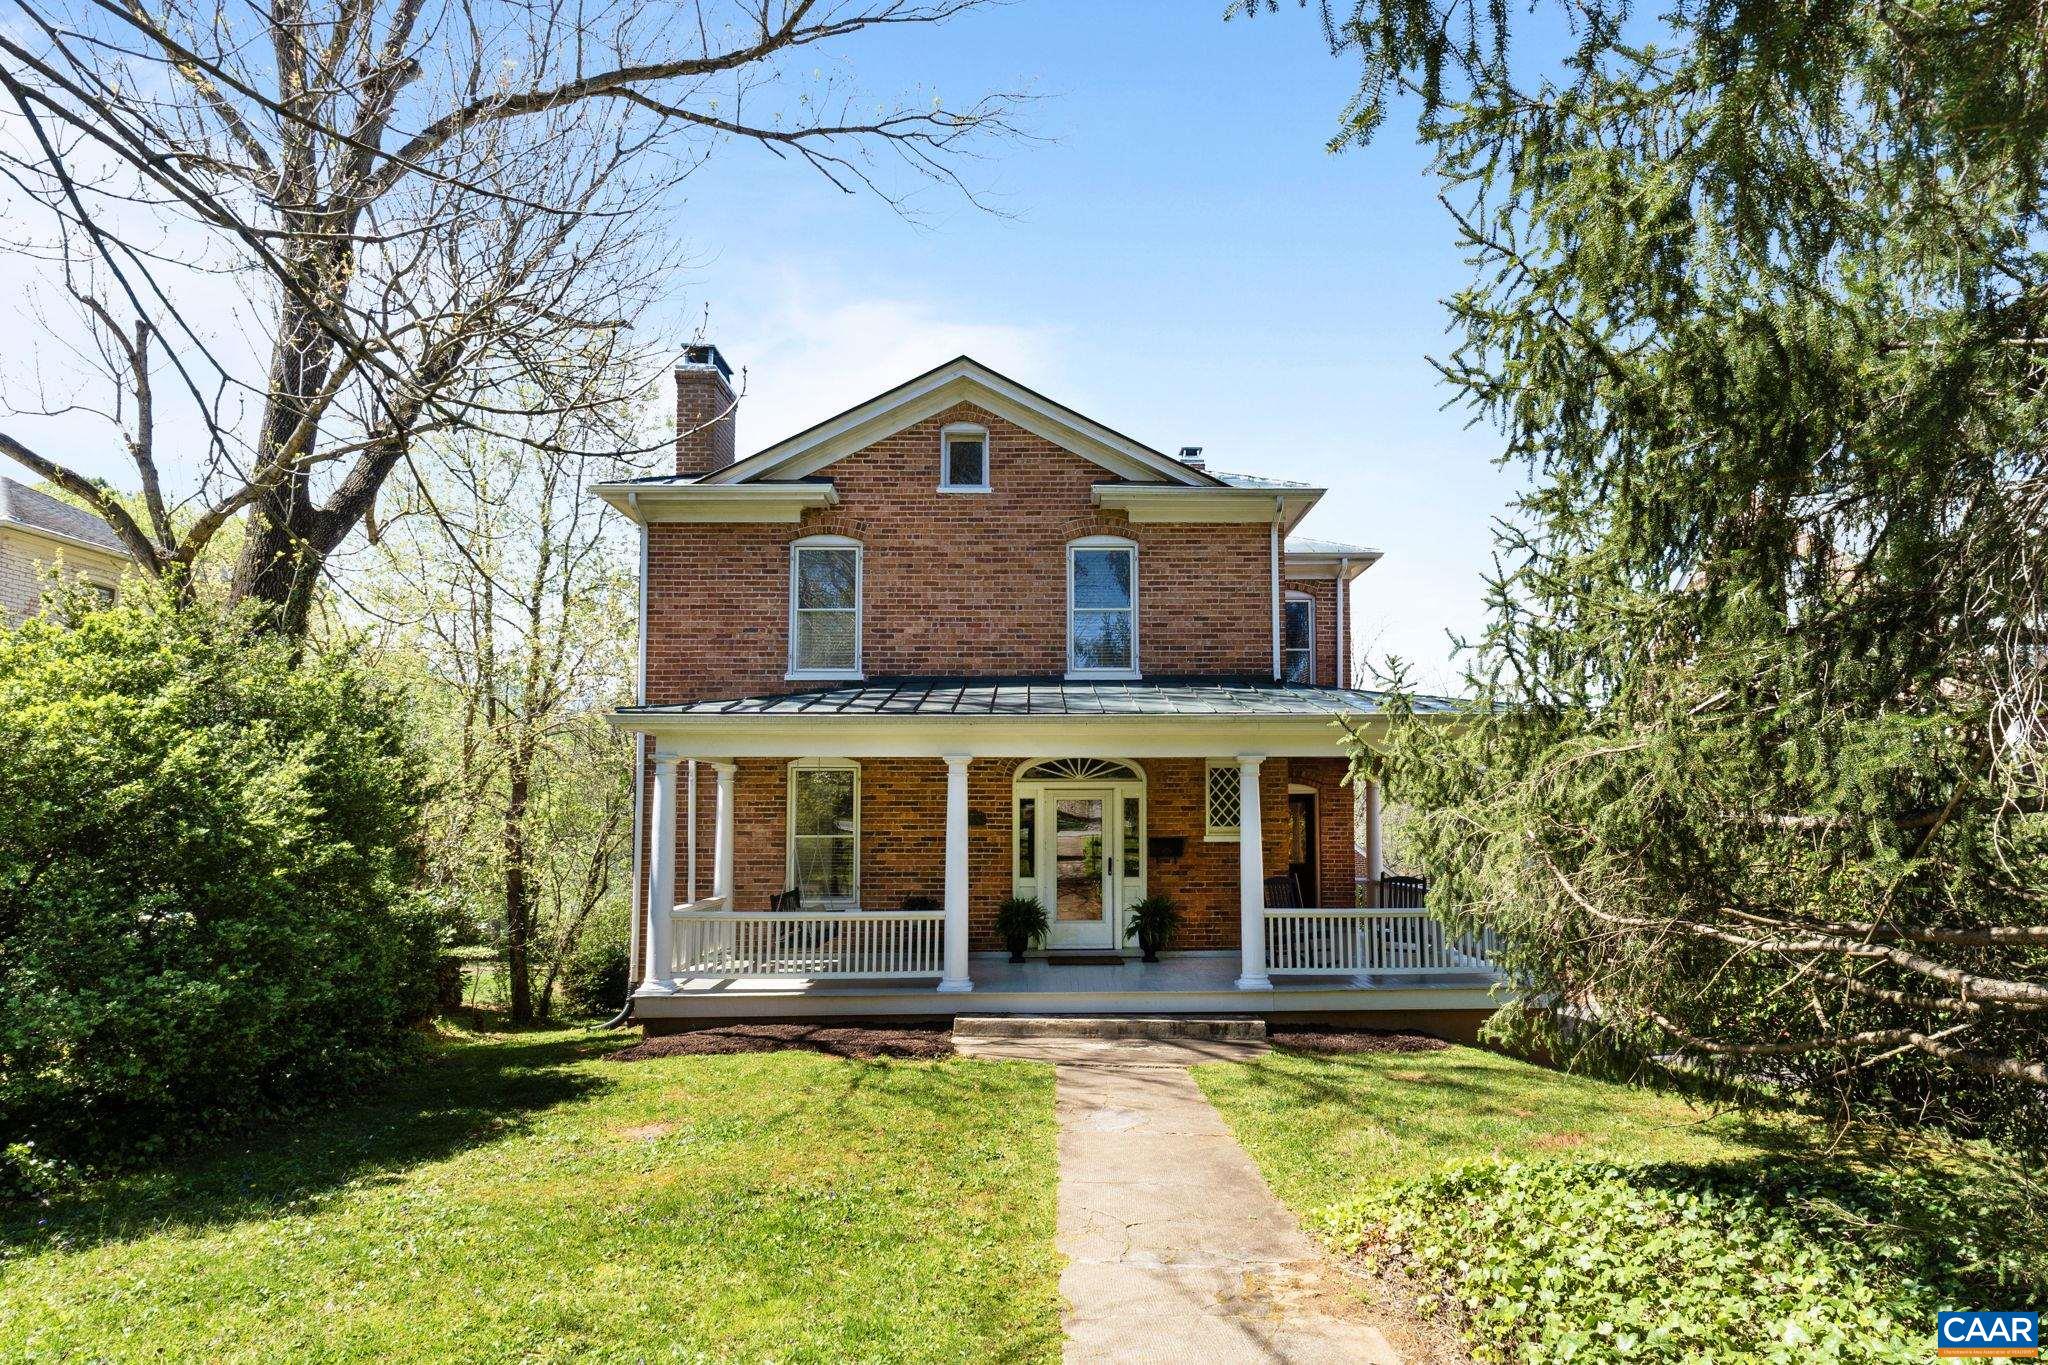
1298, 638
1223, 802
963, 459
1102, 608
824, 831
824, 607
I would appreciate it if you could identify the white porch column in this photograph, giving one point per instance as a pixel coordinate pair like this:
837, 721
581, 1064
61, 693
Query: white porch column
956, 977
721, 848
1251, 877
690, 840
1375, 860
661, 883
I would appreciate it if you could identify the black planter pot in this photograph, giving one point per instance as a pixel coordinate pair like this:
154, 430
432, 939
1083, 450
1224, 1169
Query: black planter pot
1148, 947
1017, 947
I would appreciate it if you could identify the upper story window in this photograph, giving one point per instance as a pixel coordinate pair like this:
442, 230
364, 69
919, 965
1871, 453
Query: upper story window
1298, 639
963, 460
1102, 608
824, 608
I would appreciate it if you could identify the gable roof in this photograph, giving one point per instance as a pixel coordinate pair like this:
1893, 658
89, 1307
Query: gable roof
961, 379
25, 508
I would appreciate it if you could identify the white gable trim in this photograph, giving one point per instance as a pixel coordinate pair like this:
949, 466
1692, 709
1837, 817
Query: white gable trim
958, 381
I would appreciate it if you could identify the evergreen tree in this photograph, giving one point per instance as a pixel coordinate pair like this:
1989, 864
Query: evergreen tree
1756, 770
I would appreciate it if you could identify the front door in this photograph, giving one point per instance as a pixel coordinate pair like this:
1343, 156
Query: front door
1083, 868
1301, 846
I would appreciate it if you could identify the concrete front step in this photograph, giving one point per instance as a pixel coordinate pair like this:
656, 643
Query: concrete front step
1230, 1028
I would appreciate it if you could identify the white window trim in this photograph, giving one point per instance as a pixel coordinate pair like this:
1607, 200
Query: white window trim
1077, 674
860, 575
1213, 833
946, 435
1298, 596
789, 835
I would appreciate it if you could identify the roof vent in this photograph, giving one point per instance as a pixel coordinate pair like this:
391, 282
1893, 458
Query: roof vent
1192, 455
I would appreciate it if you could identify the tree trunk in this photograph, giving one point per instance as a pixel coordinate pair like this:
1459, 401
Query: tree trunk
518, 897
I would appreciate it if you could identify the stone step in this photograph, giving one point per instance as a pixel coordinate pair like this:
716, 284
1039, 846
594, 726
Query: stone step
1226, 1028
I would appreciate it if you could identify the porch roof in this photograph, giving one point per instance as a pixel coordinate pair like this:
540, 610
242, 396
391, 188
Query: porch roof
930, 697
1051, 696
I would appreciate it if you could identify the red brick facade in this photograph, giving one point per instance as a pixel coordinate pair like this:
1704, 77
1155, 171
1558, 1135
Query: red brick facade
954, 583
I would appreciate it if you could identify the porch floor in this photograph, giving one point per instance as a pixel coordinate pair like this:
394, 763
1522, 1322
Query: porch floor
1194, 984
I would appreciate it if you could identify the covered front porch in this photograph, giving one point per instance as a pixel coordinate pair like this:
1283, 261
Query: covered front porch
861, 840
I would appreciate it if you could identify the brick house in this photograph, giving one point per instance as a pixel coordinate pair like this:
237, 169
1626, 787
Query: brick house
961, 643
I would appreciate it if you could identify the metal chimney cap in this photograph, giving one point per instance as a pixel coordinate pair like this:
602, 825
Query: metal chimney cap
704, 356
1191, 455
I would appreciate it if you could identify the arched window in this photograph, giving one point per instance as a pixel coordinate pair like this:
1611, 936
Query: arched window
1080, 770
1102, 608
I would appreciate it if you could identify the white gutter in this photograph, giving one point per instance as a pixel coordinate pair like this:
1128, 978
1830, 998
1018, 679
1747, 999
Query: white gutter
1343, 591
1273, 550
65, 539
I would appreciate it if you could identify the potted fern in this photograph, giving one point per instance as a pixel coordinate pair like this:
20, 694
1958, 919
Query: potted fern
1019, 921
1154, 922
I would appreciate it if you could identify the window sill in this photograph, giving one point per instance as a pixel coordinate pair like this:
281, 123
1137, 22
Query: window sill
1220, 836
965, 488
800, 675
1104, 675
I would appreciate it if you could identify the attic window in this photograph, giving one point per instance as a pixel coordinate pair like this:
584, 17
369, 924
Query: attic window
963, 460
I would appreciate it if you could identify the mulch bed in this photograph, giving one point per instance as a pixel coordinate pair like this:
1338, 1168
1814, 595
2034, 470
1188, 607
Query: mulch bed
1343, 1040
863, 1044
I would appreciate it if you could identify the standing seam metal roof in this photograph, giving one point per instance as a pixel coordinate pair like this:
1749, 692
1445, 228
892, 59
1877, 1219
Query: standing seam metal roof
1054, 697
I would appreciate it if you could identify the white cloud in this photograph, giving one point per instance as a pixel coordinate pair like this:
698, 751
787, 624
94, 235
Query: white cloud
813, 354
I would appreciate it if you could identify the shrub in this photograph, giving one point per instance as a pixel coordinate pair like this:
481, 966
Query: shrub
207, 845
1555, 1261
595, 978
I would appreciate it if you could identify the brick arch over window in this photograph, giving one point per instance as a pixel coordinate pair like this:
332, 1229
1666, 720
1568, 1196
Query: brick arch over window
834, 522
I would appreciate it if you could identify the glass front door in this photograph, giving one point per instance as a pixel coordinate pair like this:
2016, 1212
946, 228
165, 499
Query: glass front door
1084, 862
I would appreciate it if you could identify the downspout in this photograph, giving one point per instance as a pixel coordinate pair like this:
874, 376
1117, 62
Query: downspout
639, 780
1273, 548
1343, 591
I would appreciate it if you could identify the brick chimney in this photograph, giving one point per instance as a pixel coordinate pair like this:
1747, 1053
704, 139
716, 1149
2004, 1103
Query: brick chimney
705, 416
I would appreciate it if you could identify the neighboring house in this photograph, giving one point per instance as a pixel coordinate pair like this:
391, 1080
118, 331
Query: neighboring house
37, 534
961, 643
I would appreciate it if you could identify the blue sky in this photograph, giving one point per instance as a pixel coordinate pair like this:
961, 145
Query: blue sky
1177, 256
1181, 259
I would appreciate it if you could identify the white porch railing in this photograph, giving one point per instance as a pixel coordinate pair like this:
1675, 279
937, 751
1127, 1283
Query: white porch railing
713, 941
1395, 942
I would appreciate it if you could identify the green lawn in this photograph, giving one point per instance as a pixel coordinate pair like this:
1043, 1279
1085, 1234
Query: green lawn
519, 1197
1326, 1128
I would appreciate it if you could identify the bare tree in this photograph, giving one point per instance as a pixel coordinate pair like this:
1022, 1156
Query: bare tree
431, 204
507, 592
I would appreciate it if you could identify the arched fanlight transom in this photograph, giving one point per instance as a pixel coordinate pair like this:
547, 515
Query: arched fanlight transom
1079, 770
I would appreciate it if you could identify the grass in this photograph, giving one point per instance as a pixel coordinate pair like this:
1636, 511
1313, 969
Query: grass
1709, 1236
1323, 1128
519, 1197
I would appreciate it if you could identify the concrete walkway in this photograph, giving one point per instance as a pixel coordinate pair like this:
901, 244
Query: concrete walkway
1176, 1250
